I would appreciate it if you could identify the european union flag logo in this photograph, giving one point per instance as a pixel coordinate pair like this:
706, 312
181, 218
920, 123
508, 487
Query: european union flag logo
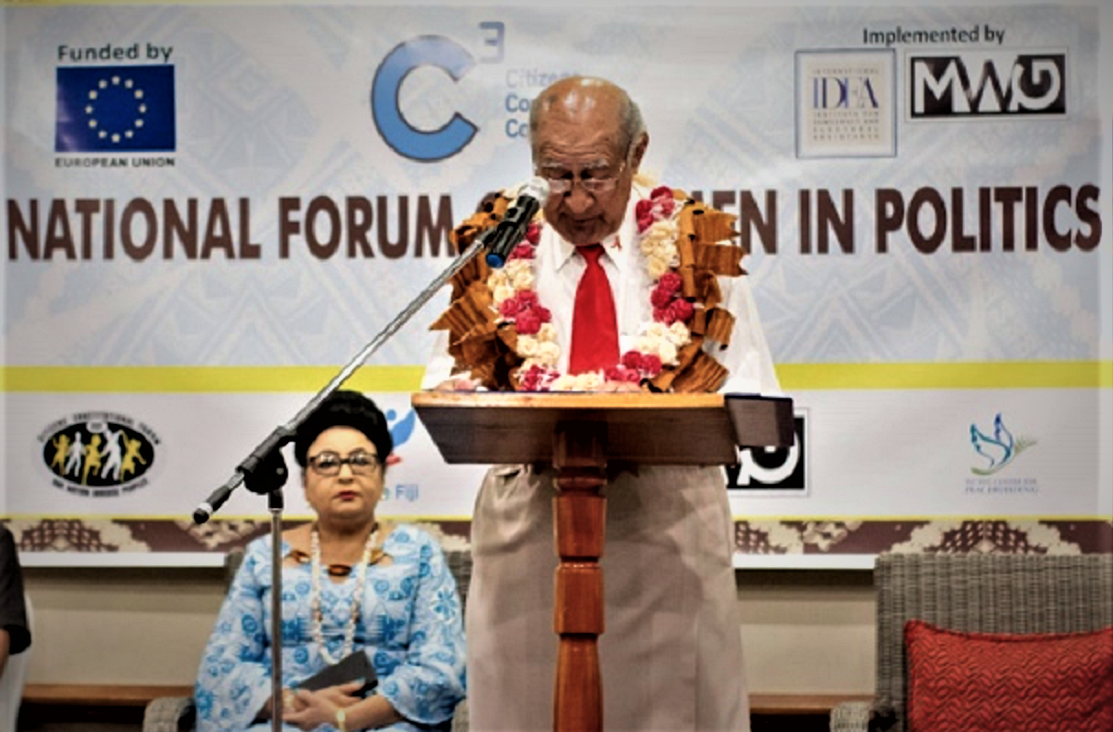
115, 109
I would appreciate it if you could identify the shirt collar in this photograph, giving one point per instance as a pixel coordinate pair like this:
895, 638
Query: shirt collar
611, 248
616, 246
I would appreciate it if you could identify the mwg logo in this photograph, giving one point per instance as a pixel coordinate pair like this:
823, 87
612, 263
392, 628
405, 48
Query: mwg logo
396, 131
990, 85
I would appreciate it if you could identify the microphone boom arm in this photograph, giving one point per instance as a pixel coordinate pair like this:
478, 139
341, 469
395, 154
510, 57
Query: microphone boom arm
285, 433
264, 471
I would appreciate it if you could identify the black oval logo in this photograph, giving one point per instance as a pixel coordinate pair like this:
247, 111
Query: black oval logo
98, 453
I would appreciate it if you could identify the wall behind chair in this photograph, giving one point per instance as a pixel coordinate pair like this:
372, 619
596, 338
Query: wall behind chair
804, 631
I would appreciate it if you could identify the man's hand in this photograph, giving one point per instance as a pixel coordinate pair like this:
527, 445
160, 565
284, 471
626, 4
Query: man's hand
457, 383
623, 386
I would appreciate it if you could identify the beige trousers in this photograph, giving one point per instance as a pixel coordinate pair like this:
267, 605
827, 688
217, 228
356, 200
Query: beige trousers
671, 654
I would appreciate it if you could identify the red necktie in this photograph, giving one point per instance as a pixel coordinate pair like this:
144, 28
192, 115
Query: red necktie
594, 324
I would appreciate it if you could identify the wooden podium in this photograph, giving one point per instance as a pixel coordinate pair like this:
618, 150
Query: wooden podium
578, 433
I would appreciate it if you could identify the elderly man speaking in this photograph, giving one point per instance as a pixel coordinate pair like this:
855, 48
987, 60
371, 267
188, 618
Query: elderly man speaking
598, 304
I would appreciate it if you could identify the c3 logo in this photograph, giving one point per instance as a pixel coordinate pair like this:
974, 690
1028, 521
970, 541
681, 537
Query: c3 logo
404, 138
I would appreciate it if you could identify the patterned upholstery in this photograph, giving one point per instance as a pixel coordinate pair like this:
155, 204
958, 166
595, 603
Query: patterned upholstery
176, 714
996, 593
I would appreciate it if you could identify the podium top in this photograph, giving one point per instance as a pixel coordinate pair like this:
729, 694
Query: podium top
661, 429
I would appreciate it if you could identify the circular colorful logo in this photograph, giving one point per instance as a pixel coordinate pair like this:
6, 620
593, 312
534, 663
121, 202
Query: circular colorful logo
98, 452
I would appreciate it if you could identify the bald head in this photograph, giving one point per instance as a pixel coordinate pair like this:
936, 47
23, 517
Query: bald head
587, 139
587, 100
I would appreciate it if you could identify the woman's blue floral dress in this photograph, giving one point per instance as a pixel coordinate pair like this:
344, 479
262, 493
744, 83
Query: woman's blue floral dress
410, 626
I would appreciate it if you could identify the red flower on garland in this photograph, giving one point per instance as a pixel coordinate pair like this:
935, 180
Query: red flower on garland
660, 297
621, 373
528, 322
526, 311
671, 282
522, 251
536, 378
659, 205
646, 364
668, 306
679, 310
527, 247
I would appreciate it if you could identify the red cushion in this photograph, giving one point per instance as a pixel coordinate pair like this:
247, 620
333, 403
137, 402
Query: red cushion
1001, 682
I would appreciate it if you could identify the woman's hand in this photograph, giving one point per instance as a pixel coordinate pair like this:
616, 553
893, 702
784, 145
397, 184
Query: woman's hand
290, 704
315, 708
341, 695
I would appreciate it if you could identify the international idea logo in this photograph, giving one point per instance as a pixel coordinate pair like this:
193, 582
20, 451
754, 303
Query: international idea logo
98, 454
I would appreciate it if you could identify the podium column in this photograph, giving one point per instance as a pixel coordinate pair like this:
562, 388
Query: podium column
578, 434
579, 515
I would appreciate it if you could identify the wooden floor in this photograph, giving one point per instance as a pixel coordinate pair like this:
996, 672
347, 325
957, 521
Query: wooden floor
95, 708
758, 724
97, 723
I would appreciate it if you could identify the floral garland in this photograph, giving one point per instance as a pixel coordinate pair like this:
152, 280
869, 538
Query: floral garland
502, 335
659, 340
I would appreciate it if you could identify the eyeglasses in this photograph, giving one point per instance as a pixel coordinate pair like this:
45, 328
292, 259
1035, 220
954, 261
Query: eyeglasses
561, 185
361, 463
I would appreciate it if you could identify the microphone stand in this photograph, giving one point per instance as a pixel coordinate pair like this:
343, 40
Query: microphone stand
263, 471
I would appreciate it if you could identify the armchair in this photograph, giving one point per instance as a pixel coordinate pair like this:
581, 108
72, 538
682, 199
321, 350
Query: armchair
176, 714
975, 593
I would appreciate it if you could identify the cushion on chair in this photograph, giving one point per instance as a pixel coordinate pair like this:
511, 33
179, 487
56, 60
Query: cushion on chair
1005, 682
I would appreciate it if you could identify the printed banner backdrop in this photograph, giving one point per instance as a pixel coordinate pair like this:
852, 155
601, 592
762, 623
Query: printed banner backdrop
210, 210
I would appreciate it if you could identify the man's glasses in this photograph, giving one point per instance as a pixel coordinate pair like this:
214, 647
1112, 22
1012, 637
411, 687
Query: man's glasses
562, 184
361, 463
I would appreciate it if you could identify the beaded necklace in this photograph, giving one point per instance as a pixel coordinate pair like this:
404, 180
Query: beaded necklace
315, 594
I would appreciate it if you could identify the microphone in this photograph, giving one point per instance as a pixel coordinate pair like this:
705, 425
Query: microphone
205, 511
263, 471
502, 239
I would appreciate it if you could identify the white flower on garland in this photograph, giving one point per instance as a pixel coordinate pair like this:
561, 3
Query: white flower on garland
659, 343
665, 341
540, 349
658, 244
588, 381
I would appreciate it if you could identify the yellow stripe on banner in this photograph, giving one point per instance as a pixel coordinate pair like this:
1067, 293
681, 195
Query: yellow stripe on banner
793, 377
970, 375
178, 379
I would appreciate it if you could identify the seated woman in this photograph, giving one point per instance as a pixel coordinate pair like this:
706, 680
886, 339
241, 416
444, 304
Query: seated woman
350, 584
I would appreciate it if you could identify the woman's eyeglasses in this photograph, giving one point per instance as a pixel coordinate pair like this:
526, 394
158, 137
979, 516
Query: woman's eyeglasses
329, 463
